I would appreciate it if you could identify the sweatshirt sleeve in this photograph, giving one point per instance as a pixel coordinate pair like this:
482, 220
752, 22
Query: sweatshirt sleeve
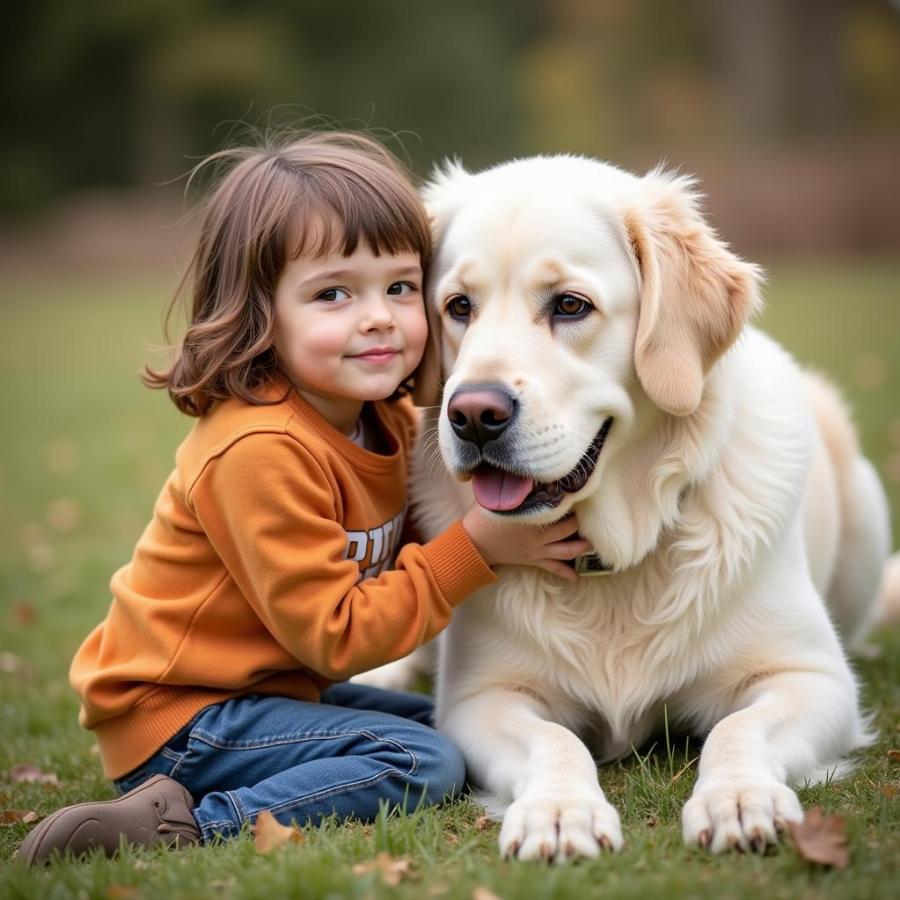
270, 513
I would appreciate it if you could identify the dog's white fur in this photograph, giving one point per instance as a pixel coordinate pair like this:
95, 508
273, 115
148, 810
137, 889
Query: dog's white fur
730, 496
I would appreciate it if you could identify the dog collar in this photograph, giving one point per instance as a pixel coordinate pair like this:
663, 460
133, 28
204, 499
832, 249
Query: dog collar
590, 565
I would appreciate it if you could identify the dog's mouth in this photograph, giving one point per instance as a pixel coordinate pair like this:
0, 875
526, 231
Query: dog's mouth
510, 493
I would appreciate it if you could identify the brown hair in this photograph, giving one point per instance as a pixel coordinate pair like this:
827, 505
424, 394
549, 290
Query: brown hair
250, 230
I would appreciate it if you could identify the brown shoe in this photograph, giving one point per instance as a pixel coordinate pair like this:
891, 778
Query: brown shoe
155, 812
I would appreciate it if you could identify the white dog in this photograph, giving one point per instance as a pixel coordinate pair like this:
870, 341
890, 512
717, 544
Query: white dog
597, 356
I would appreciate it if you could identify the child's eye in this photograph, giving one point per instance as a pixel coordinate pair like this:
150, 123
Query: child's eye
331, 295
399, 288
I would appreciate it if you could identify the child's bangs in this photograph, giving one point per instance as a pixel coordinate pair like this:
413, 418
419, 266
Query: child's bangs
337, 211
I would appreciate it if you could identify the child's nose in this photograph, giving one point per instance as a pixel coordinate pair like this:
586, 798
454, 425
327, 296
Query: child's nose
378, 314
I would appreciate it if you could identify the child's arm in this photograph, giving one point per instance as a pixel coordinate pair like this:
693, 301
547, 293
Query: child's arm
271, 513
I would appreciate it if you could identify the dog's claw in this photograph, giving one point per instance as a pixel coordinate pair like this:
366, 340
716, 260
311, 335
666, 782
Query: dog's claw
704, 839
605, 844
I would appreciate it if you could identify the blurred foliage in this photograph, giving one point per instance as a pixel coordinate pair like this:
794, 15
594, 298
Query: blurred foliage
106, 93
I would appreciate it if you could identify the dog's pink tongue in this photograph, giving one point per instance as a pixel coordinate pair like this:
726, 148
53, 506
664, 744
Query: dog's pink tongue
499, 491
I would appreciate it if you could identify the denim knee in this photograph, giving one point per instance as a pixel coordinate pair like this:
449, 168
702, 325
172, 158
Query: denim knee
441, 770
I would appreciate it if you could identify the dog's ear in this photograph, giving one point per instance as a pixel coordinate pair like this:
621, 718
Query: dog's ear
444, 194
696, 295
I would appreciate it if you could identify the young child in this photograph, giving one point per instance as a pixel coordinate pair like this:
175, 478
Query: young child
267, 576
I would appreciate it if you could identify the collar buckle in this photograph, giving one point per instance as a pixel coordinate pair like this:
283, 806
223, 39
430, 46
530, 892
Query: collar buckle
589, 565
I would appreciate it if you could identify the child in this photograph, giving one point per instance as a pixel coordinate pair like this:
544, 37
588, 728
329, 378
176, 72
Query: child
267, 575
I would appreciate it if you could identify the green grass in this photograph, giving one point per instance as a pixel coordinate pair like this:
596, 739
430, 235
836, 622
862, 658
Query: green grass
85, 450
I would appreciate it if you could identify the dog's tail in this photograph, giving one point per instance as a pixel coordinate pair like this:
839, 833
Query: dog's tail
888, 606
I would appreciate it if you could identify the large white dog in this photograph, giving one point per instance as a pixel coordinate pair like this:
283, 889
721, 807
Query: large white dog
597, 358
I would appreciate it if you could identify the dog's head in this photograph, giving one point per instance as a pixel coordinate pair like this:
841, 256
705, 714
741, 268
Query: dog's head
575, 308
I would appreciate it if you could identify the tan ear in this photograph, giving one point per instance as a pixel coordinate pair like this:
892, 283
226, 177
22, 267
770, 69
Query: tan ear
443, 195
428, 377
696, 295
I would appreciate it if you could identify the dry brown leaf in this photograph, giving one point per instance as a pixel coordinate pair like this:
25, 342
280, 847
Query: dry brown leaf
894, 755
269, 834
393, 869
483, 822
821, 839
27, 773
121, 891
482, 893
18, 816
25, 614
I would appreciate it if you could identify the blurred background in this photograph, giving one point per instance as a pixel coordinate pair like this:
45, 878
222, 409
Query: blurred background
787, 110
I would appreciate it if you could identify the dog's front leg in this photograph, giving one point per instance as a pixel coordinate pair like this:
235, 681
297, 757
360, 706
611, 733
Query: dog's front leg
787, 727
556, 808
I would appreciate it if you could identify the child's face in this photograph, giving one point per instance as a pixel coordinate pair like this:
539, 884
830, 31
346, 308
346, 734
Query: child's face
350, 328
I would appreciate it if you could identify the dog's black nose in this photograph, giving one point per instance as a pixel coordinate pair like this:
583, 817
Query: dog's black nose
481, 412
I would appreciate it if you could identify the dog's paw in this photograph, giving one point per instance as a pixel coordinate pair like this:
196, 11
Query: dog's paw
738, 815
555, 827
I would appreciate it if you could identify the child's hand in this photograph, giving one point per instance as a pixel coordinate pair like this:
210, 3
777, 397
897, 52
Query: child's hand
518, 544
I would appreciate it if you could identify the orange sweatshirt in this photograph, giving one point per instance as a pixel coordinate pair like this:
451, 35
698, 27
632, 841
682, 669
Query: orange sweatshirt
268, 567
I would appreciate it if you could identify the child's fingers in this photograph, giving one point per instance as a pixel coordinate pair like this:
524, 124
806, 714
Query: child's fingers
558, 568
562, 529
567, 549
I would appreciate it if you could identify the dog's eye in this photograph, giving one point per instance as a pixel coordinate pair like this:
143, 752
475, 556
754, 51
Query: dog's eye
568, 306
460, 308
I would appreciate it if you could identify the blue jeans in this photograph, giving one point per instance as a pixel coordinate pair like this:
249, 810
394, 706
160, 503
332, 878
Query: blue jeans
301, 761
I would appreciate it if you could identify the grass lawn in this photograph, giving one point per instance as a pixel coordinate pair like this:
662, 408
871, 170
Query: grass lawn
86, 448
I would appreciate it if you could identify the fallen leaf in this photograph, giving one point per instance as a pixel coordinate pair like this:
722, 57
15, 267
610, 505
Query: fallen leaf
16, 816
393, 869
121, 891
890, 791
894, 755
29, 774
483, 822
24, 613
482, 893
821, 839
269, 834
